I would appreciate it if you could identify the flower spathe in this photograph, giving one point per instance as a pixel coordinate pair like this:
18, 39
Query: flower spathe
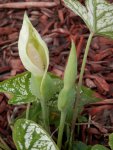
33, 50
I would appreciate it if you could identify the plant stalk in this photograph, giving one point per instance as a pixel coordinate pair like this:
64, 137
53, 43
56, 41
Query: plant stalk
27, 111
45, 115
3, 144
75, 113
61, 129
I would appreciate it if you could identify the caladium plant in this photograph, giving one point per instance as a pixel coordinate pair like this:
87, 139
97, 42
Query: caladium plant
42, 89
36, 85
99, 19
35, 57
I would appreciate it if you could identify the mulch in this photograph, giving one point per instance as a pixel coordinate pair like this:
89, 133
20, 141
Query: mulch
58, 25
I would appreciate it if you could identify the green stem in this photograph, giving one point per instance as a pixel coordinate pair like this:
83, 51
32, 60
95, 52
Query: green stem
2, 147
27, 110
3, 144
70, 141
61, 129
75, 113
45, 114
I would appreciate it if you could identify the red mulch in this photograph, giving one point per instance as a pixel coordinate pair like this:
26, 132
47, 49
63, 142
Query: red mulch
58, 25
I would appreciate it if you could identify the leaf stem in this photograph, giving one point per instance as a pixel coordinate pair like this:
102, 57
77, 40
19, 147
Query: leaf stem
45, 114
27, 111
75, 113
3, 144
61, 129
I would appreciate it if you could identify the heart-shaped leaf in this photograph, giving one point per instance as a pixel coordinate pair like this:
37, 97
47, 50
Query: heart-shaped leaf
98, 15
21, 90
18, 88
28, 135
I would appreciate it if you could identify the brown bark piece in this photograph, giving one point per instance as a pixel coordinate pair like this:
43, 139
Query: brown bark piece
23, 5
100, 82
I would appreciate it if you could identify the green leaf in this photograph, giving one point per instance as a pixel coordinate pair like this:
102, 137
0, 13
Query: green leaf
87, 96
99, 147
98, 15
35, 113
28, 135
50, 87
111, 141
66, 99
47, 88
18, 88
80, 146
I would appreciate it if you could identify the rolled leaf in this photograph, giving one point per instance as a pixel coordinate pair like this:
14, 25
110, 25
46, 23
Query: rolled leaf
70, 74
66, 99
98, 15
67, 94
28, 135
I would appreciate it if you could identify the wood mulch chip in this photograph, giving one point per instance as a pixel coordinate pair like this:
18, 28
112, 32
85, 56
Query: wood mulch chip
58, 25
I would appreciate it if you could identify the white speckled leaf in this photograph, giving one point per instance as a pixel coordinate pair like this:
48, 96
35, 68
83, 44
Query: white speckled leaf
98, 15
28, 135
19, 89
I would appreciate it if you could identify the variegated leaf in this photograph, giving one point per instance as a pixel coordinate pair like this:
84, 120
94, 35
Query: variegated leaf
28, 135
18, 88
98, 15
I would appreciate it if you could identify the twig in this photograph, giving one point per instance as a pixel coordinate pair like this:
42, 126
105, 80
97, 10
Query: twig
23, 5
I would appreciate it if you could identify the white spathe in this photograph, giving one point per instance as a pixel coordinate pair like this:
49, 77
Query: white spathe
33, 50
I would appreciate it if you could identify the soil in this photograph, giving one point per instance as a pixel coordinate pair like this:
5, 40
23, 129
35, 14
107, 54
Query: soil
58, 25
